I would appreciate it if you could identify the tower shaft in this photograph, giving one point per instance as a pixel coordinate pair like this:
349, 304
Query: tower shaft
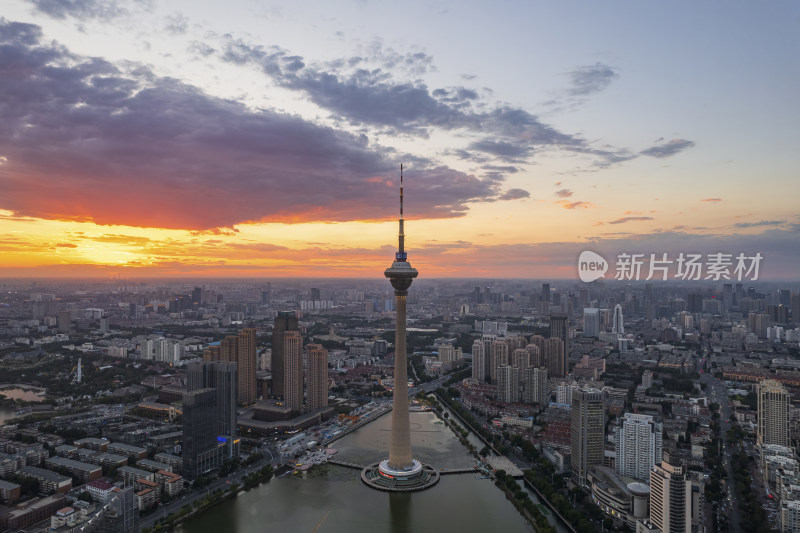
400, 444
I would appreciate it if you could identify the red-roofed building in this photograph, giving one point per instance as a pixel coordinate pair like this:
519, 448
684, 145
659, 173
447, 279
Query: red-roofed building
100, 490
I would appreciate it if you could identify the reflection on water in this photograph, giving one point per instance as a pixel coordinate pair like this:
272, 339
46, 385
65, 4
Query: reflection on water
399, 512
332, 499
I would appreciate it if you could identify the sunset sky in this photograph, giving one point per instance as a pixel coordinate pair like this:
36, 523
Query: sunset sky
191, 138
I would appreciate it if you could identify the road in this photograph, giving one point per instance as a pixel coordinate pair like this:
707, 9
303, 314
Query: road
719, 393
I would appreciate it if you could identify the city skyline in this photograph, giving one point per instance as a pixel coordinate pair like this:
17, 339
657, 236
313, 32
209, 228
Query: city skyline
143, 140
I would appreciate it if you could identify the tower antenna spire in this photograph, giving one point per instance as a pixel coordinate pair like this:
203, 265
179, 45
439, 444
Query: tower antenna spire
401, 237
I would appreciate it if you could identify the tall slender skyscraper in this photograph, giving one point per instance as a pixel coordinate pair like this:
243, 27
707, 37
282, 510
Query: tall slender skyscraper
400, 471
555, 358
285, 321
559, 329
591, 322
222, 377
478, 361
293, 370
239, 349
587, 431
773, 413
209, 417
317, 377
618, 325
499, 355
246, 359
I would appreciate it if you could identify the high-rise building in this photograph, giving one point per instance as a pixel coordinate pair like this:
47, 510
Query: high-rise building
293, 370
773, 413
285, 321
239, 349
317, 377
583, 298
197, 297
587, 426
538, 341
478, 361
167, 350
64, 321
727, 296
449, 356
200, 453
535, 382
147, 348
521, 358
545, 297
535, 355
559, 329
618, 324
210, 426
555, 358
675, 497
119, 514
591, 322
638, 443
508, 384
795, 307
499, 357
222, 376
247, 366
758, 323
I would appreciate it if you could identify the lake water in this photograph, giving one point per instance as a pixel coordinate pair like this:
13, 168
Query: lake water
6, 414
29, 395
332, 499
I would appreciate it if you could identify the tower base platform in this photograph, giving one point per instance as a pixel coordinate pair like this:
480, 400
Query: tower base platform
418, 477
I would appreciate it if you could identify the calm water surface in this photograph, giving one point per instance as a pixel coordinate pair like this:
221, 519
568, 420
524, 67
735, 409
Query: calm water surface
6, 414
332, 499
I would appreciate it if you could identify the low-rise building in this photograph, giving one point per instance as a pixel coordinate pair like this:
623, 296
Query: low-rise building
32, 511
170, 483
9, 492
131, 474
620, 500
175, 461
98, 445
101, 490
132, 452
65, 450
152, 466
49, 482
145, 499
83, 471
109, 460
68, 516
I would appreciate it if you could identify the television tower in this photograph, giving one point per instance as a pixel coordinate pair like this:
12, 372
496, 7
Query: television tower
400, 472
